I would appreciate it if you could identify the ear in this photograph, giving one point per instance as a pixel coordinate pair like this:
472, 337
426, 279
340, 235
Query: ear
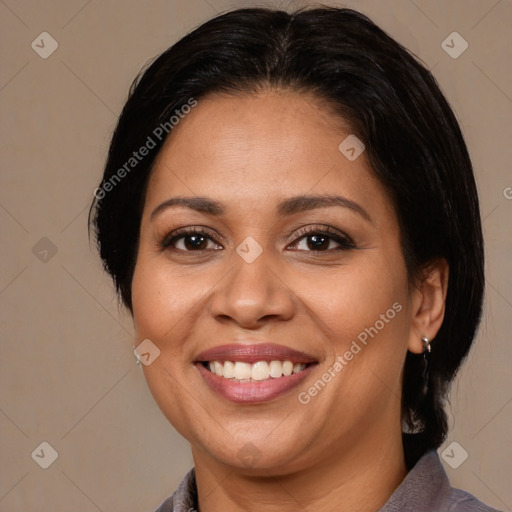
428, 303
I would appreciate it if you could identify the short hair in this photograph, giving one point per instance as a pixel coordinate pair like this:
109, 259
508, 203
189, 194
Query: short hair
391, 102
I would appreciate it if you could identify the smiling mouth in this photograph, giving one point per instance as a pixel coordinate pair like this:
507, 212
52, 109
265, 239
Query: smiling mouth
239, 371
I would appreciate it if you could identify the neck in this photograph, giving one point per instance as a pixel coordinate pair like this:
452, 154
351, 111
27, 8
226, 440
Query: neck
361, 478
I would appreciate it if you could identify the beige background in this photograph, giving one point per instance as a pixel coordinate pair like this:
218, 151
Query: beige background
68, 375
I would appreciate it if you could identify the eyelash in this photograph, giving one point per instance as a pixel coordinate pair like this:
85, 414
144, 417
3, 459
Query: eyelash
344, 241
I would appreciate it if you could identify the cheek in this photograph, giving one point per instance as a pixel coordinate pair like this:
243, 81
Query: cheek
149, 296
367, 336
160, 297
162, 305
158, 303
359, 297
169, 305
365, 314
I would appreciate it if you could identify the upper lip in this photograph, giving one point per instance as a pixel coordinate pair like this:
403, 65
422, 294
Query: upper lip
252, 353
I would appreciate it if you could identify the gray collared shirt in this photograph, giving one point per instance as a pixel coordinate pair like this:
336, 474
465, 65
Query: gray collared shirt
425, 489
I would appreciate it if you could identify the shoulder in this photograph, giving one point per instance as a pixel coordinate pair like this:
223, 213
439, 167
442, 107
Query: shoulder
167, 505
451, 499
426, 488
184, 498
462, 501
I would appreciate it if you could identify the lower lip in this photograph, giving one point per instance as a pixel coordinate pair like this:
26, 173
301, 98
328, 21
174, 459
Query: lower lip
253, 392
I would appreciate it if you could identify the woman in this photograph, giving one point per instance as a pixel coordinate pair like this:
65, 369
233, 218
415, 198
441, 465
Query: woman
289, 212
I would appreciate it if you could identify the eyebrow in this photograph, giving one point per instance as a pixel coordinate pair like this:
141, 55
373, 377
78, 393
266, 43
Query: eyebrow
285, 208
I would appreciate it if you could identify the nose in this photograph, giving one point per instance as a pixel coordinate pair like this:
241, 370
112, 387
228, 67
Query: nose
252, 294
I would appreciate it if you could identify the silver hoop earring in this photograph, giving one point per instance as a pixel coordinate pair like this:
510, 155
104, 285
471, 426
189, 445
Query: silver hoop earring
426, 363
426, 344
137, 358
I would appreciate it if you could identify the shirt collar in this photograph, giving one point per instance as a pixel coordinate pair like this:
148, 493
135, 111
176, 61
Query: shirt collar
425, 485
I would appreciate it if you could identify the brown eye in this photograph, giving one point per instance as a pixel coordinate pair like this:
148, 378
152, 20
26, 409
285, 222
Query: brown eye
193, 242
315, 240
190, 240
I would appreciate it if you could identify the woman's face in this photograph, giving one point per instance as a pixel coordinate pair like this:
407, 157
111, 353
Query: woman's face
260, 277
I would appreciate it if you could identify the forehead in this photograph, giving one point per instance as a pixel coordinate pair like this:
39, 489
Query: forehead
255, 147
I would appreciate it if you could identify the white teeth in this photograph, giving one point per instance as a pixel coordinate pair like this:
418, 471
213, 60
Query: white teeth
229, 370
259, 371
298, 367
276, 369
242, 370
218, 368
287, 368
